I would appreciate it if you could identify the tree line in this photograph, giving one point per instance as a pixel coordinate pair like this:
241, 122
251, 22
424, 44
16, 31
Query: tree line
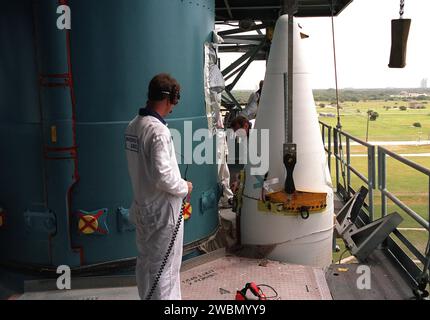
355, 95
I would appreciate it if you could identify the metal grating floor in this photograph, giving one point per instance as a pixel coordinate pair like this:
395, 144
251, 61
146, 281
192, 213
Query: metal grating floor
219, 280
125, 293
216, 279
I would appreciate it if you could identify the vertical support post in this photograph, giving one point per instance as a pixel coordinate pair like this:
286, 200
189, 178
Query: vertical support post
290, 149
371, 178
429, 211
382, 170
287, 114
323, 133
368, 122
329, 148
290, 70
348, 165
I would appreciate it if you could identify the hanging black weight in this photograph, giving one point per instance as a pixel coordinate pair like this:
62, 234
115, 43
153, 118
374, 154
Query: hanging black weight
399, 42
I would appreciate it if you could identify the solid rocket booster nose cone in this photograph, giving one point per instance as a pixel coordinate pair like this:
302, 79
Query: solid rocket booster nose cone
278, 61
302, 241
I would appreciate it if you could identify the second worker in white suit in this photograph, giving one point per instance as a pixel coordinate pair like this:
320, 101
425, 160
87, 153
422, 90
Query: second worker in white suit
250, 112
158, 191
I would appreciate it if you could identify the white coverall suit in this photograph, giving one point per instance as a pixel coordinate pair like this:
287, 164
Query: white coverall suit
251, 109
158, 193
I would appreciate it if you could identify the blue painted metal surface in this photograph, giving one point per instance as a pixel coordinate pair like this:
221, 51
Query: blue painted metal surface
62, 141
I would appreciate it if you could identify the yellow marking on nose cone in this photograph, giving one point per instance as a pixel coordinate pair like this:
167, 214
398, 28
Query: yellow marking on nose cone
289, 205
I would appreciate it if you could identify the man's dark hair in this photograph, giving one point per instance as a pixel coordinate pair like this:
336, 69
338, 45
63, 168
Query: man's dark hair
240, 122
163, 86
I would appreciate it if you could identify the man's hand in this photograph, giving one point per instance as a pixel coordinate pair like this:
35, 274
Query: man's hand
190, 187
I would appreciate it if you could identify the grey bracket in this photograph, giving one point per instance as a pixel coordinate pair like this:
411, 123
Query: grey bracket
40, 221
210, 198
362, 241
347, 216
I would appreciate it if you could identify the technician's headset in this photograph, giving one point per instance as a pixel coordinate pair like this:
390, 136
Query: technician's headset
173, 94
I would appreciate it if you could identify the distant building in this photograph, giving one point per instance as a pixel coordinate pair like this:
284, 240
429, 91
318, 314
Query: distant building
424, 83
327, 115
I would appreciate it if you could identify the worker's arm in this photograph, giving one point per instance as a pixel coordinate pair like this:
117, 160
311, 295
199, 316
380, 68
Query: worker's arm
166, 176
250, 110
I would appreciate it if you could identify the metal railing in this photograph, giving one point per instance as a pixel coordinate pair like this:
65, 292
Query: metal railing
326, 131
345, 190
343, 166
414, 272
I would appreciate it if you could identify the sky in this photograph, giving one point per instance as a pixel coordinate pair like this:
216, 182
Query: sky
363, 44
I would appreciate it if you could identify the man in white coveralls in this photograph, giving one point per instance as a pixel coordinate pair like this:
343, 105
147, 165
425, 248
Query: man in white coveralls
158, 191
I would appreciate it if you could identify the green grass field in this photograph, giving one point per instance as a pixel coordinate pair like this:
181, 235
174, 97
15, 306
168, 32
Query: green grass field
401, 150
391, 125
406, 183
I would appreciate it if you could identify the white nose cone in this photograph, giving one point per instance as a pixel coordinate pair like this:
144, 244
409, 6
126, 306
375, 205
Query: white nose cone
299, 241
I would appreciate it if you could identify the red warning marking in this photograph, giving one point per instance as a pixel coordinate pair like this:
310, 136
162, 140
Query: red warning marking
89, 224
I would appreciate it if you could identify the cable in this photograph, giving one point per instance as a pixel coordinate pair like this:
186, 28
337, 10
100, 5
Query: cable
339, 125
172, 241
186, 167
166, 257
186, 172
335, 66
274, 291
340, 259
248, 197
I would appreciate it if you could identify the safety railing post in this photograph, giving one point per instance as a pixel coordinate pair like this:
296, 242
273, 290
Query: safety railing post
329, 147
371, 178
323, 133
382, 182
407, 259
348, 166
